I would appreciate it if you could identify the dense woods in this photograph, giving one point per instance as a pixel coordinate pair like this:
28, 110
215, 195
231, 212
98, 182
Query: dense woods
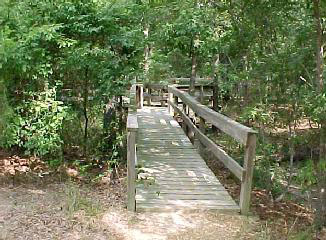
65, 66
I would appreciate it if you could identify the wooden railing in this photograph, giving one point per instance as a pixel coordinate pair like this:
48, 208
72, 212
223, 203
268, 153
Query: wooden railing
239, 132
132, 128
158, 92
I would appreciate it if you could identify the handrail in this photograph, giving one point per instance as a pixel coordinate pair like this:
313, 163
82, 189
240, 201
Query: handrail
241, 133
132, 128
225, 124
161, 89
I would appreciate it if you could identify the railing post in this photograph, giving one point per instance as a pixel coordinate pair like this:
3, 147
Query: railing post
202, 94
184, 125
202, 128
161, 94
132, 127
176, 102
171, 99
249, 160
140, 96
149, 90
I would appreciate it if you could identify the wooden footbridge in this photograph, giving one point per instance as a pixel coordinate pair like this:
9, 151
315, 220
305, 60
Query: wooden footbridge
165, 170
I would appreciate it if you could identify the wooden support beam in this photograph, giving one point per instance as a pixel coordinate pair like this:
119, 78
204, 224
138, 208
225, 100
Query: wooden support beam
140, 96
132, 128
171, 99
249, 160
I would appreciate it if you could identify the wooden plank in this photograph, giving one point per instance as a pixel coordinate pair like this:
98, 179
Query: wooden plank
182, 192
141, 207
227, 125
169, 168
170, 162
187, 202
163, 146
185, 183
189, 172
181, 174
171, 157
164, 143
172, 153
168, 152
178, 177
176, 133
149, 164
181, 187
154, 137
163, 196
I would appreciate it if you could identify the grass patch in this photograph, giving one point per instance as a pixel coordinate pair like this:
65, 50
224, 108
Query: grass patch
76, 201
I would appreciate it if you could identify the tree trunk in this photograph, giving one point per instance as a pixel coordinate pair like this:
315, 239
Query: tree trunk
193, 73
320, 218
215, 63
146, 51
86, 114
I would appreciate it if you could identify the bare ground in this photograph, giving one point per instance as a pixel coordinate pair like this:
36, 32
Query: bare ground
69, 210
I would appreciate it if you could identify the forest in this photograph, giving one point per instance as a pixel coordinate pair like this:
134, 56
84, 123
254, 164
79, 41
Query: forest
66, 68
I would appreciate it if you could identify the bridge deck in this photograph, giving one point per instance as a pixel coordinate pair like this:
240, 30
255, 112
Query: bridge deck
174, 176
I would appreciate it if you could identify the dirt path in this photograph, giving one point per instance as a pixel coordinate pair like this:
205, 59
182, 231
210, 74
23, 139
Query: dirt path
70, 211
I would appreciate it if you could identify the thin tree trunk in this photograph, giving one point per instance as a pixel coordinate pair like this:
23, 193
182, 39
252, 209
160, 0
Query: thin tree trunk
319, 46
193, 73
215, 63
146, 50
320, 219
215, 78
86, 114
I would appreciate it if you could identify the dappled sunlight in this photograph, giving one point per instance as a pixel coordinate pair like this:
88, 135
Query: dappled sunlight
172, 225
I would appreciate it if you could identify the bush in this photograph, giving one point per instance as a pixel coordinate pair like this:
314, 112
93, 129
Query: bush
5, 113
267, 173
36, 124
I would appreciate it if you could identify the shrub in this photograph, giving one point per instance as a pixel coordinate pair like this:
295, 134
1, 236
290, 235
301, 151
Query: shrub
36, 124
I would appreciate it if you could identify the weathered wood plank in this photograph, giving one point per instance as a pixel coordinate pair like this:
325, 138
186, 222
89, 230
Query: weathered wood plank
188, 203
180, 188
183, 192
176, 196
141, 207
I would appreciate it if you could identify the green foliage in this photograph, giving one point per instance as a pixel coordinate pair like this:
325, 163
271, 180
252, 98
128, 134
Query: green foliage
260, 114
316, 106
89, 50
113, 145
267, 173
306, 176
37, 123
6, 113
